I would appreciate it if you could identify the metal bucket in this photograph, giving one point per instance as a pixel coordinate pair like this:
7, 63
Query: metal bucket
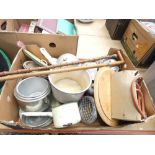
33, 94
82, 77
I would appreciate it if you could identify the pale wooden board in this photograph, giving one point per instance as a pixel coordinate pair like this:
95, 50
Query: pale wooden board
34, 49
123, 107
105, 92
103, 107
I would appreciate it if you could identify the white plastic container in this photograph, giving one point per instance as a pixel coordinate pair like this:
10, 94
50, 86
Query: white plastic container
66, 115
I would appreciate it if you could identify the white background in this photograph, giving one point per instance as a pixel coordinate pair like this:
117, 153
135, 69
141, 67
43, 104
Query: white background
88, 144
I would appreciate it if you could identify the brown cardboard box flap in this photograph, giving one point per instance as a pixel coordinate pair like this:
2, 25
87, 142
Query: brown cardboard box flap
8, 105
55, 44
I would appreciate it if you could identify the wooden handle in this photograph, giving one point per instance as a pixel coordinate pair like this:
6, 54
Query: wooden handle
122, 59
60, 70
19, 71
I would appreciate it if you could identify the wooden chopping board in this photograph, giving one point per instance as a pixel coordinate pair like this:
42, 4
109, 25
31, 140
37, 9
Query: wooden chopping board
102, 95
122, 103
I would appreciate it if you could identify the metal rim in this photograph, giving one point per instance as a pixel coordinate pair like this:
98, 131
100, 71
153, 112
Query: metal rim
53, 85
27, 97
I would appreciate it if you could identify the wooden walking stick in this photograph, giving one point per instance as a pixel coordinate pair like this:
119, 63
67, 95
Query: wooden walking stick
19, 71
60, 70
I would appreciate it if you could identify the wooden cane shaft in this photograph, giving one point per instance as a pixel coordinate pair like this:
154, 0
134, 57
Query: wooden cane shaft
60, 70
19, 71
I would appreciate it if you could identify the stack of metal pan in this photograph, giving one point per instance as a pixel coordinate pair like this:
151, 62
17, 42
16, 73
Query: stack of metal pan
33, 95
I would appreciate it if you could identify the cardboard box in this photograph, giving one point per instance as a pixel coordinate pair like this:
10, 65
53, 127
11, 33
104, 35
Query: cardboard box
14, 25
9, 111
11, 36
139, 44
55, 43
